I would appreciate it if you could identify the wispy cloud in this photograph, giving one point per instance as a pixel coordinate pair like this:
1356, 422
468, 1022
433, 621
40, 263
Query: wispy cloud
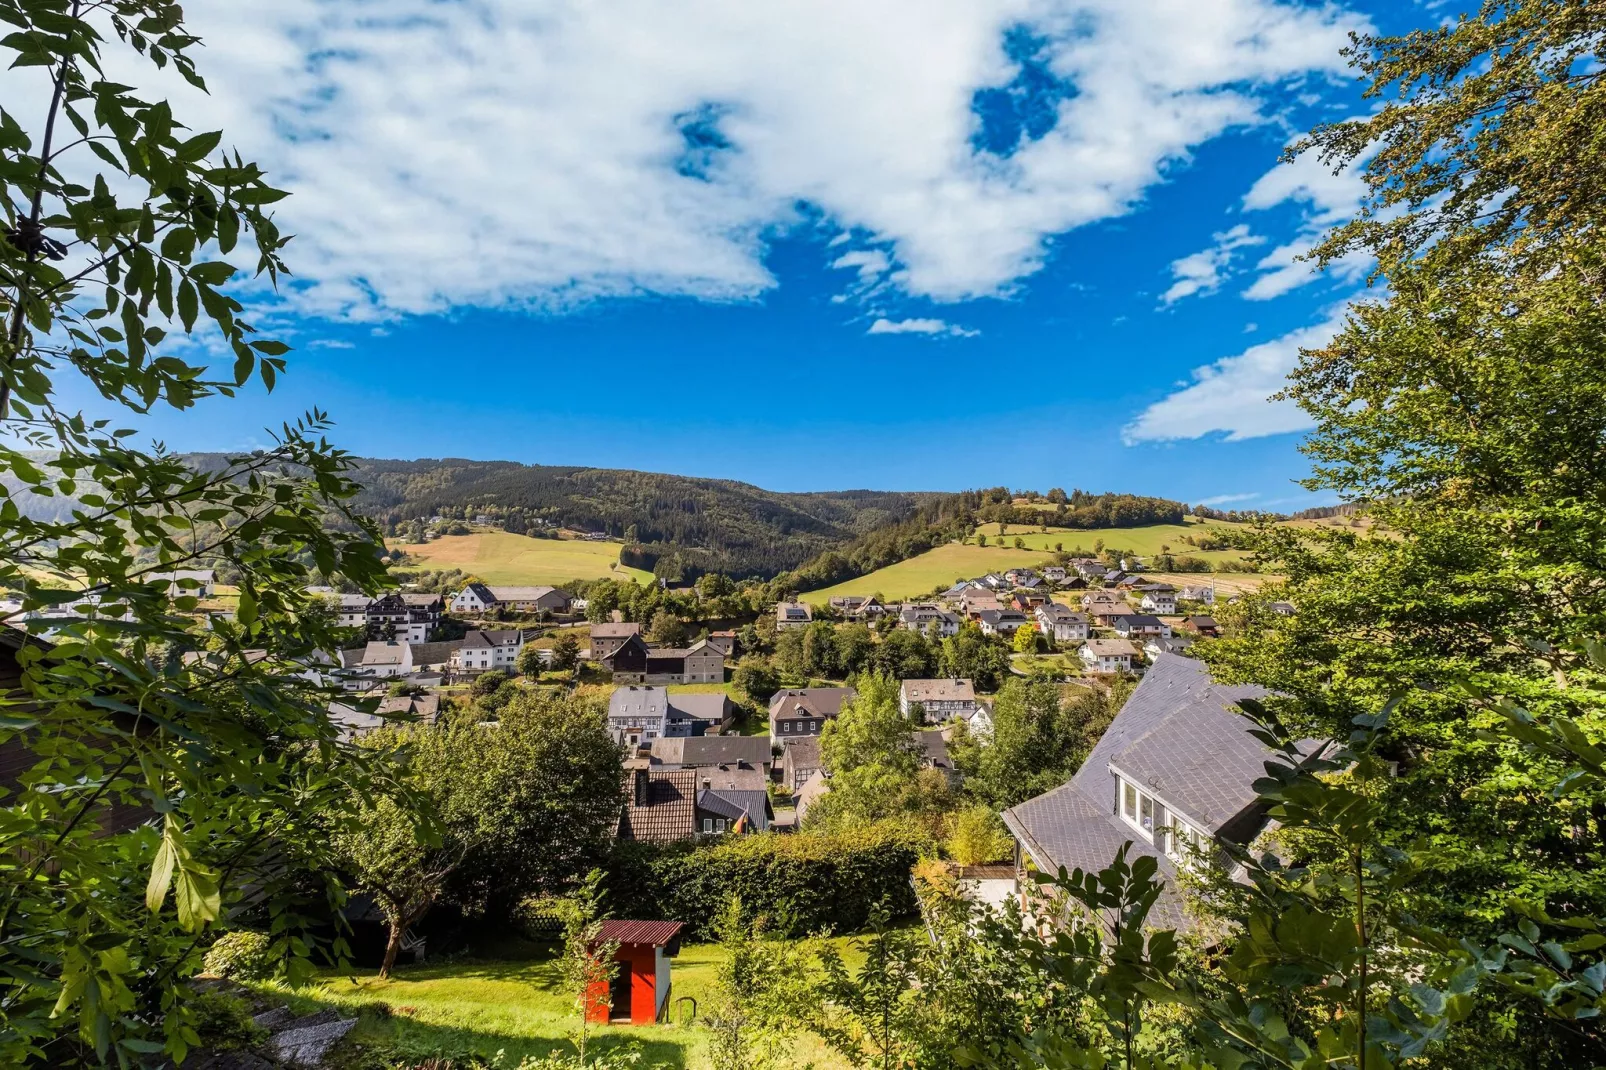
1325, 199
921, 326
1234, 394
1228, 499
1202, 273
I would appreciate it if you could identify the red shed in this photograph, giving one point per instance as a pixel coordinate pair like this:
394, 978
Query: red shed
640, 991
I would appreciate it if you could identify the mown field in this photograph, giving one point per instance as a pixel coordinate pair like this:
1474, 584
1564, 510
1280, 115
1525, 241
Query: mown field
517, 1009
504, 558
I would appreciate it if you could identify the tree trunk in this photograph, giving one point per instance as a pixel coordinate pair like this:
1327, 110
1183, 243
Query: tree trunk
392, 946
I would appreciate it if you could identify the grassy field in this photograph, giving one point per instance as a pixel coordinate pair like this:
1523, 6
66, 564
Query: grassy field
516, 1007
946, 564
919, 575
500, 557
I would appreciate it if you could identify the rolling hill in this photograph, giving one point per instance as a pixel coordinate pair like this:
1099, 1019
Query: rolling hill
500, 557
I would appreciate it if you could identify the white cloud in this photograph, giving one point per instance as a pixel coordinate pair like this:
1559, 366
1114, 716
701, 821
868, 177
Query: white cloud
1228, 499
1326, 199
1233, 394
1202, 272
921, 326
510, 153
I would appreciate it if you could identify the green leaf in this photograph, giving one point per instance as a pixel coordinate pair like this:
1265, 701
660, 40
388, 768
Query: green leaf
246, 611
271, 348
197, 147
162, 869
188, 304
212, 272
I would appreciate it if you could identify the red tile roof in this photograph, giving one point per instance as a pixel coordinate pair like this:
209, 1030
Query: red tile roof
653, 933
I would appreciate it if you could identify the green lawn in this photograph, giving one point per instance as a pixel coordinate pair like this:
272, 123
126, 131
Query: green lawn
500, 557
515, 1007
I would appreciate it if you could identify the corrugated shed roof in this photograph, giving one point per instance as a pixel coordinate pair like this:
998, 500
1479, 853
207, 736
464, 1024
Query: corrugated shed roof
653, 933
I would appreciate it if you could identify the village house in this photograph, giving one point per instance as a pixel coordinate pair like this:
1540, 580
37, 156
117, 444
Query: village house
193, 582
1054, 573
800, 760
1166, 644
393, 709
1106, 614
1140, 626
609, 637
1200, 625
724, 642
801, 712
378, 660
1028, 601
973, 603
1108, 656
482, 598
351, 610
919, 617
639, 715
1018, 576
1191, 593
482, 650
1004, 622
389, 616
793, 615
709, 713
1061, 623
634, 662
939, 699
666, 805
1159, 598
979, 722
1173, 777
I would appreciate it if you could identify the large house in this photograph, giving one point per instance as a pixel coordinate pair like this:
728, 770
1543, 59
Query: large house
482, 650
634, 662
1172, 776
939, 699
1139, 626
1061, 623
481, 598
408, 618
801, 712
665, 805
793, 615
1204, 594
919, 617
1158, 597
638, 715
378, 660
609, 637
1108, 656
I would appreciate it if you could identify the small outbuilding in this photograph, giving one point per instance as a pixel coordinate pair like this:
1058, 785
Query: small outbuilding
639, 993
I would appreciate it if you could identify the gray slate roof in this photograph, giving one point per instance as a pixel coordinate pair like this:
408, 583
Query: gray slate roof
695, 751
1179, 733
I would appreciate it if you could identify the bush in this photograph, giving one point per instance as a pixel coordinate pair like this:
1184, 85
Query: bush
241, 955
223, 1022
802, 883
486, 683
976, 837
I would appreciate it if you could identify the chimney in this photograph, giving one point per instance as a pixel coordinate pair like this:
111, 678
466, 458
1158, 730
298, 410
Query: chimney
708, 784
643, 782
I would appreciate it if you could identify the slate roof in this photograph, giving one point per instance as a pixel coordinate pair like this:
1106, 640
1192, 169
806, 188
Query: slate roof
521, 594
1178, 733
711, 708
695, 751
802, 752
614, 630
818, 701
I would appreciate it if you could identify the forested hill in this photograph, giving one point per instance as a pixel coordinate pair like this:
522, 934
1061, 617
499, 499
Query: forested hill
703, 524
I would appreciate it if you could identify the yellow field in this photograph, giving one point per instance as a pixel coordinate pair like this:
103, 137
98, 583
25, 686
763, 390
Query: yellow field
503, 558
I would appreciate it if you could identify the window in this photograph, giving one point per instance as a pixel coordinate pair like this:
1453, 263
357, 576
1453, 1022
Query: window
1129, 800
719, 826
1146, 814
708, 824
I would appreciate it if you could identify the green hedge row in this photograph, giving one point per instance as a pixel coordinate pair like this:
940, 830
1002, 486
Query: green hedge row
801, 884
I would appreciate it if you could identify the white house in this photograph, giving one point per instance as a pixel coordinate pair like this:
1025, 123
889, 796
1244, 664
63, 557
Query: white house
199, 582
480, 598
1061, 623
484, 650
1001, 621
941, 699
1108, 656
1159, 600
1140, 626
1054, 573
639, 715
1207, 595
918, 617
979, 722
380, 660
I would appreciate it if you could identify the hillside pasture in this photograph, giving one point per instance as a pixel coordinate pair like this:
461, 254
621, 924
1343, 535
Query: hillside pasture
1144, 541
500, 557
922, 574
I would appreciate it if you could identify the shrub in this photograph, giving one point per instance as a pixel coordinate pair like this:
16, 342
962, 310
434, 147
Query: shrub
241, 955
223, 1022
802, 883
976, 837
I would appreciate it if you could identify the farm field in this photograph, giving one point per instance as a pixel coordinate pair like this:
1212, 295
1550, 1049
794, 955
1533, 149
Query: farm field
515, 1007
501, 557
921, 575
1143, 541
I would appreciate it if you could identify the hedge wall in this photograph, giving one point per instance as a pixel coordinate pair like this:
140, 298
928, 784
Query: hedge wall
801, 883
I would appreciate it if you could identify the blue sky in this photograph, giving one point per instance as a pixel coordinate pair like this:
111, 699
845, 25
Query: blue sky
926, 246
